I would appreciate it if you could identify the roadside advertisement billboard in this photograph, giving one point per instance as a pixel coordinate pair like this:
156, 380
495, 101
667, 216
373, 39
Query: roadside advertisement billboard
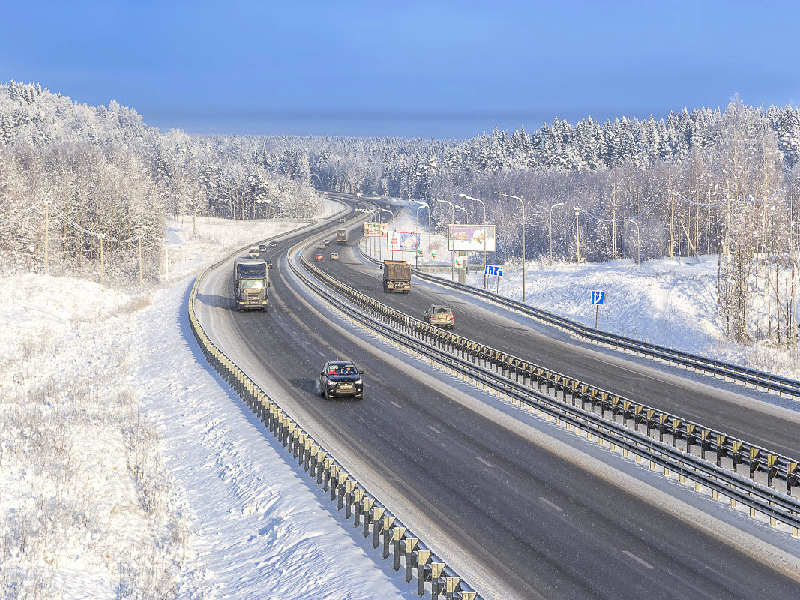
403, 241
375, 229
471, 237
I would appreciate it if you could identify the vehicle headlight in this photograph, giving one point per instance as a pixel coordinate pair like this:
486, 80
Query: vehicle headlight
357, 381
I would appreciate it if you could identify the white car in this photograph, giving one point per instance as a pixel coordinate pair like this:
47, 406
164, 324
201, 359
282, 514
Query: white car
334, 256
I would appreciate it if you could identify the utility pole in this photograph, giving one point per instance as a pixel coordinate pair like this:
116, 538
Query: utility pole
46, 236
578, 232
614, 218
140, 261
102, 263
194, 216
522, 202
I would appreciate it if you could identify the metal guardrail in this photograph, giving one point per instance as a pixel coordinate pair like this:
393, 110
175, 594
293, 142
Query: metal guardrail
493, 369
398, 540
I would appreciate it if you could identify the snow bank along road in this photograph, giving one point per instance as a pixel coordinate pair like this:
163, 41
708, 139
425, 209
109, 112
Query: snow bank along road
502, 497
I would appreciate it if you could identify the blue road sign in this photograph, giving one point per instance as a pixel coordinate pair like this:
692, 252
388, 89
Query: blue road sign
598, 297
493, 270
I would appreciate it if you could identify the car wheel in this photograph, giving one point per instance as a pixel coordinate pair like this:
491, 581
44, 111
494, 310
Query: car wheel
325, 393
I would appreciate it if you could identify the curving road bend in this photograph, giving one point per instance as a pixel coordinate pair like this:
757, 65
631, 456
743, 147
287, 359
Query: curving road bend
516, 510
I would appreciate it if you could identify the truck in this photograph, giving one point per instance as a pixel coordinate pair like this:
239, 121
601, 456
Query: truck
250, 282
396, 276
341, 237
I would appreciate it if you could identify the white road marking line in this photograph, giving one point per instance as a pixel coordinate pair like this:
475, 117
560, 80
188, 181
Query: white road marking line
484, 461
551, 504
637, 559
432, 428
396, 404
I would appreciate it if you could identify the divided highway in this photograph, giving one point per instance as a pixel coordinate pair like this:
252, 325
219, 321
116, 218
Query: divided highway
679, 392
517, 514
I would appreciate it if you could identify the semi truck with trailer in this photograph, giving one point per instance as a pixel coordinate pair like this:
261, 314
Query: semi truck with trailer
396, 276
251, 283
341, 237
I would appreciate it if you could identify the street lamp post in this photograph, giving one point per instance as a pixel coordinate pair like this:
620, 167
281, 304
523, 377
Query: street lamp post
454, 244
452, 252
484, 233
387, 241
550, 227
522, 202
638, 243
428, 206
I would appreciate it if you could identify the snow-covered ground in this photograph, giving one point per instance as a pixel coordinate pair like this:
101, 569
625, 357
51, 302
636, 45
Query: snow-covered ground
128, 469
670, 303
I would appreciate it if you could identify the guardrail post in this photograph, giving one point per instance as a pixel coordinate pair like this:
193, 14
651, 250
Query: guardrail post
357, 502
397, 537
411, 555
704, 443
690, 428
377, 525
423, 556
755, 461
311, 456
334, 479
366, 510
388, 521
791, 476
736, 456
348, 486
721, 439
436, 573
451, 584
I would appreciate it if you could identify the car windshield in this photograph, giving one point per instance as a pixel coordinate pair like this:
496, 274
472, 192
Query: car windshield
341, 370
252, 284
442, 311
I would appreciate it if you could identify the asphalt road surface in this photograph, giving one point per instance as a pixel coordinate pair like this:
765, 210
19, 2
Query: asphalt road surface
517, 515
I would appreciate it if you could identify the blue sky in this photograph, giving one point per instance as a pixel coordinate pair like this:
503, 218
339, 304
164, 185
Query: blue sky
429, 69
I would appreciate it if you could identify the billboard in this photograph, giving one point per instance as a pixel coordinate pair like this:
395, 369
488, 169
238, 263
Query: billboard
404, 241
471, 237
375, 229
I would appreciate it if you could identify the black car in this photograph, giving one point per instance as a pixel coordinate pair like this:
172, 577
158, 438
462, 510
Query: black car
262, 247
341, 378
273, 244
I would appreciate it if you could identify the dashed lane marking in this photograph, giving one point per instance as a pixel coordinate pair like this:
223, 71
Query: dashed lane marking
550, 504
637, 559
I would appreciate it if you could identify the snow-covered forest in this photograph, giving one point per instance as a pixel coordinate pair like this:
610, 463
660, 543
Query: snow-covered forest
82, 186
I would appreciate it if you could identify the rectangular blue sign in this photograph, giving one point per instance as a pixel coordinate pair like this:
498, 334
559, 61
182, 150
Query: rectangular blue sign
493, 270
598, 297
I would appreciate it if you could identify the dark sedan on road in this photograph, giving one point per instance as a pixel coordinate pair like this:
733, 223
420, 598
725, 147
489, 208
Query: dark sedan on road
341, 378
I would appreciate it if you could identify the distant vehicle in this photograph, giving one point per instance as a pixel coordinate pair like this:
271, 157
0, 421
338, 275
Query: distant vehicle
253, 252
342, 219
321, 245
334, 256
440, 316
319, 257
262, 247
250, 284
341, 378
341, 237
327, 242
273, 244
269, 264
396, 276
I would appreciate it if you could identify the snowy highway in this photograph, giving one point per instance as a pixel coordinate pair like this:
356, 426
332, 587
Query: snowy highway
517, 506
